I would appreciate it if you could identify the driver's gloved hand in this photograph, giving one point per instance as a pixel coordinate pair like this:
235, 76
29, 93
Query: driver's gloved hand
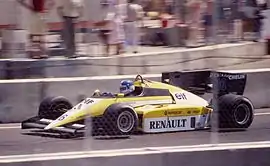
107, 94
97, 93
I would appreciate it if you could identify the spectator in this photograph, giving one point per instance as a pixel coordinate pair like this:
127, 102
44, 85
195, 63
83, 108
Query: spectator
104, 29
224, 15
237, 19
208, 21
263, 4
146, 4
70, 11
38, 25
133, 14
116, 37
194, 8
257, 25
249, 8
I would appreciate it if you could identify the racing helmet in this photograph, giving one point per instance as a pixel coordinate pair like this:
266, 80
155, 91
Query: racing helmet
126, 86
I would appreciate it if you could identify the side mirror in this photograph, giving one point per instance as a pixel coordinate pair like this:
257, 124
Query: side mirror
120, 95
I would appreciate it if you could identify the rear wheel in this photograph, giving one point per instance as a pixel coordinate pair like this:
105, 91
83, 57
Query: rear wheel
53, 107
235, 112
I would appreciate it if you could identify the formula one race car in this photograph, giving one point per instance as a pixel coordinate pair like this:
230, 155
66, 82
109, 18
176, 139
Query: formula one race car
174, 104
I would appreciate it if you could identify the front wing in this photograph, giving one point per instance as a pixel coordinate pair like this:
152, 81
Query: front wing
41, 123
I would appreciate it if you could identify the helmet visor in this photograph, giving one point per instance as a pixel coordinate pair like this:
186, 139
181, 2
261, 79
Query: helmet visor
123, 88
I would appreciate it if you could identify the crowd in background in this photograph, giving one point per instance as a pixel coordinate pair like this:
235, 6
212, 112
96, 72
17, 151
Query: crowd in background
208, 18
68, 10
121, 20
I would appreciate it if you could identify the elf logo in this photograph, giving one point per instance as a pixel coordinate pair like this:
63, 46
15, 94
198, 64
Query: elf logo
181, 96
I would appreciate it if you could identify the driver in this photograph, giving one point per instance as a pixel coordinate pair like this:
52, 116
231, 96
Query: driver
127, 87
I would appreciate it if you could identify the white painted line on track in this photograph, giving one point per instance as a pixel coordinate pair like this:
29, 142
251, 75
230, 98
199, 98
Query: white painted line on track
262, 113
10, 127
135, 151
18, 125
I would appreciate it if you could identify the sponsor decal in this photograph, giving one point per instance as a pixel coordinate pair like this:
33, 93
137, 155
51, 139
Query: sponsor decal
229, 76
180, 112
180, 123
181, 96
62, 117
165, 124
174, 112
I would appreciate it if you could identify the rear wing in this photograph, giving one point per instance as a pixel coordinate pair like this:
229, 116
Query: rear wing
207, 81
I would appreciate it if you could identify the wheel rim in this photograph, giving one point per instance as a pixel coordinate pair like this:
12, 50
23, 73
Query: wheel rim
125, 121
242, 114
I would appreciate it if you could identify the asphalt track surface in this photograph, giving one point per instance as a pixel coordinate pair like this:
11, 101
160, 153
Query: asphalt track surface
14, 141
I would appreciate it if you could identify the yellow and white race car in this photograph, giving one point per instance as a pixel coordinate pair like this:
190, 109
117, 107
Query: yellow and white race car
174, 104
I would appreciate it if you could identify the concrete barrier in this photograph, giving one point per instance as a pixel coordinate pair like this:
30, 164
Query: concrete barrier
19, 99
210, 57
252, 155
14, 43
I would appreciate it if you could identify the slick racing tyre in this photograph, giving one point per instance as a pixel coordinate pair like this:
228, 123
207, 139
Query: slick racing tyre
235, 112
121, 122
53, 107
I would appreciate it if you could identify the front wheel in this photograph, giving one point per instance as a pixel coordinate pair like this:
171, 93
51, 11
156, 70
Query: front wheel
53, 107
123, 122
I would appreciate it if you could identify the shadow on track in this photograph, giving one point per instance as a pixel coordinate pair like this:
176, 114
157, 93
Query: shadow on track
53, 135
81, 136
41, 133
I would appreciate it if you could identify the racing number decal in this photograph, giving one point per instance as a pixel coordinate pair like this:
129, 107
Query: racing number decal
88, 101
62, 117
181, 96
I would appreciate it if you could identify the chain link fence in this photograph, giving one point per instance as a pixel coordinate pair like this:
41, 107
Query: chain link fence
151, 118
